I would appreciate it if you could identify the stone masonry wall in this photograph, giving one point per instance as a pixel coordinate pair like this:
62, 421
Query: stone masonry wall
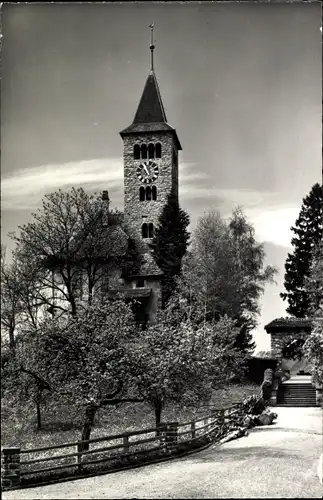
137, 212
277, 340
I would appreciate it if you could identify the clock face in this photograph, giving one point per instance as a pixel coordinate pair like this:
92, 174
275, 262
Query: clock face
147, 171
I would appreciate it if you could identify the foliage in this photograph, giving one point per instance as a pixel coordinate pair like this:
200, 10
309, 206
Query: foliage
224, 274
313, 350
254, 405
308, 231
19, 283
257, 366
293, 348
183, 363
82, 358
75, 242
314, 282
170, 243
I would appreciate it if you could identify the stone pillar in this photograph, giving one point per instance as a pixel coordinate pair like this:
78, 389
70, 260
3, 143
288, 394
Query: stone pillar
10, 467
274, 392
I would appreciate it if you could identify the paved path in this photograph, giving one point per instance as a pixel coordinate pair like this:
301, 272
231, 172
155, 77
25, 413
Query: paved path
277, 461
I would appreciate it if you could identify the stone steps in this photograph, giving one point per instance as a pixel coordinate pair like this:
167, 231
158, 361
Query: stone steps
302, 395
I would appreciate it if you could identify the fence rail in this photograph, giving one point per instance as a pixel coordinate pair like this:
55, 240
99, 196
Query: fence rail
167, 437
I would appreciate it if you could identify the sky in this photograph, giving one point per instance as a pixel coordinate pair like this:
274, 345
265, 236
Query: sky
240, 82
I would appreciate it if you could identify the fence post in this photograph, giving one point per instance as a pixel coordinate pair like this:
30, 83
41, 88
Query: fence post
161, 432
125, 443
193, 429
79, 449
10, 467
171, 435
206, 422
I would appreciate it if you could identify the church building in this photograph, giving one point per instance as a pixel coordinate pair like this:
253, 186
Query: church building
150, 154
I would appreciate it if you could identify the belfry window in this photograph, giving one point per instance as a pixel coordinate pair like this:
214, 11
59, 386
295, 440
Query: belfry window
147, 230
150, 230
151, 151
144, 151
158, 150
136, 152
148, 193
144, 230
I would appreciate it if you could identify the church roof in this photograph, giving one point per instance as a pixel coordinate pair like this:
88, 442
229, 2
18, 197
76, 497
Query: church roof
150, 115
147, 266
150, 109
289, 324
130, 293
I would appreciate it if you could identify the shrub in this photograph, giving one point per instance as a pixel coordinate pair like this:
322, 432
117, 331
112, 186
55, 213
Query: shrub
257, 367
254, 405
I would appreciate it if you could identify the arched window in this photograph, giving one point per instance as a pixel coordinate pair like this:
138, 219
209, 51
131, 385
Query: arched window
154, 193
151, 150
150, 230
158, 150
136, 152
148, 193
144, 151
144, 230
142, 194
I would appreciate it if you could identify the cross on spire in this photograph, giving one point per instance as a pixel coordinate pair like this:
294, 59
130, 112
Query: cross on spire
152, 46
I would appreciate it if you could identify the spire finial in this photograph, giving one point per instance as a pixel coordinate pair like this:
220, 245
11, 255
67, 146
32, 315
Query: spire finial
152, 46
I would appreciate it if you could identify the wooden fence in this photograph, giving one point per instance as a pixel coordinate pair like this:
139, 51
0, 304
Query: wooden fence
83, 457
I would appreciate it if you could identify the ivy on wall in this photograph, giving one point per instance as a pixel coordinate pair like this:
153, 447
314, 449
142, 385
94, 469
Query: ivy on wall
293, 348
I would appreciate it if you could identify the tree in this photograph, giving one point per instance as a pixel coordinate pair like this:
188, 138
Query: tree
308, 231
75, 241
224, 273
183, 363
170, 244
10, 298
313, 350
19, 283
84, 358
314, 282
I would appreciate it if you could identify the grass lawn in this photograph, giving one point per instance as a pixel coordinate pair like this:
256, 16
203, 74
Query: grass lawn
63, 424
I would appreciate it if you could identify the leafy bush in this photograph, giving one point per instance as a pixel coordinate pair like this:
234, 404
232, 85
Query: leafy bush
257, 367
254, 405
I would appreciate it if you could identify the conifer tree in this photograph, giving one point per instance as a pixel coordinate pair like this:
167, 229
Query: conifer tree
308, 232
170, 243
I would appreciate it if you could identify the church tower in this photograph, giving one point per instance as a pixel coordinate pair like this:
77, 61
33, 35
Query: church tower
150, 158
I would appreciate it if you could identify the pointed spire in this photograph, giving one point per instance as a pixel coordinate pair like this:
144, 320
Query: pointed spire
152, 46
150, 115
151, 109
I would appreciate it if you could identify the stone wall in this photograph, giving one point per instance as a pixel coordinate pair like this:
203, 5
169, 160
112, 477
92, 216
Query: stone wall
137, 212
277, 340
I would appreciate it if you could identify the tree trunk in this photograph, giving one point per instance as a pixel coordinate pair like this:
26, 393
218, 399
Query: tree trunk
38, 409
12, 343
39, 426
90, 413
158, 412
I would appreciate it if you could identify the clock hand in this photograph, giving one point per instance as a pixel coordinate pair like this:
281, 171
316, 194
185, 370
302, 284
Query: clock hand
145, 167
